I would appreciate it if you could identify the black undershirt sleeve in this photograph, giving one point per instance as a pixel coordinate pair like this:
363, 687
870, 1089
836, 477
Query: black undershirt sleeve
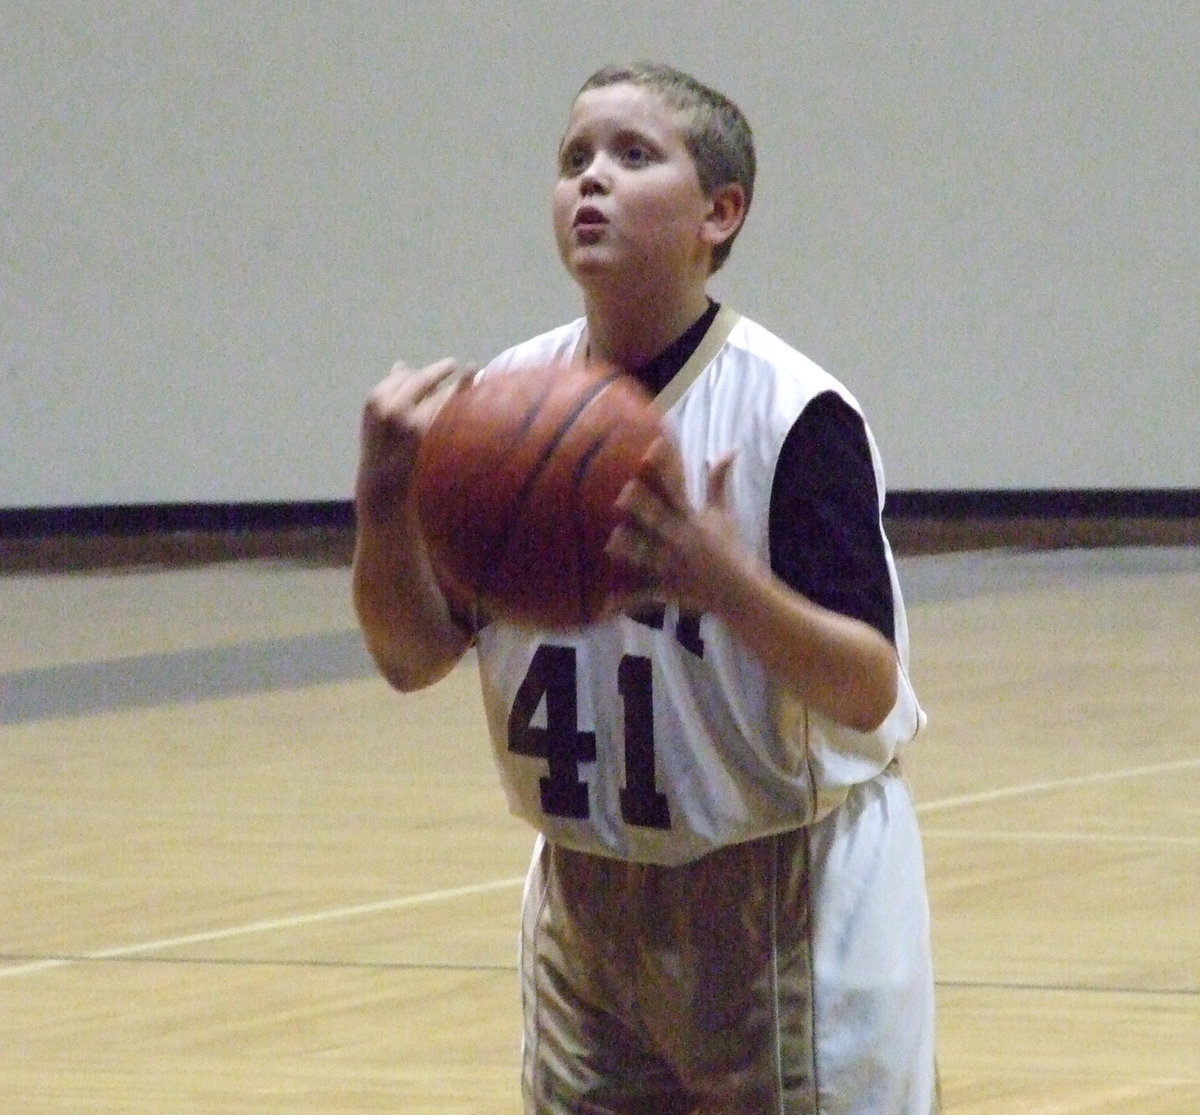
825, 538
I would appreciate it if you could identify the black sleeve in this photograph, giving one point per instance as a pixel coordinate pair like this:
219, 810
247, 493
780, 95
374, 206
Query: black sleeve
825, 537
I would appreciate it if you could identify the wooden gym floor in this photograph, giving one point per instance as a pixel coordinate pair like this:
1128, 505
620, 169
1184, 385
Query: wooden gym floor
238, 874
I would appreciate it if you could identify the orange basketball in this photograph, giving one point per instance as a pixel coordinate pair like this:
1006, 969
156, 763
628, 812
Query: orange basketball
515, 485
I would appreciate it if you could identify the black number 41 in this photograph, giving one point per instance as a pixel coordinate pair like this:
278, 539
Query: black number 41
551, 677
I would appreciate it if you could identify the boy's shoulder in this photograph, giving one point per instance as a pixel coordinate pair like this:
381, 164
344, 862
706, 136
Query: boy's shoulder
763, 353
560, 342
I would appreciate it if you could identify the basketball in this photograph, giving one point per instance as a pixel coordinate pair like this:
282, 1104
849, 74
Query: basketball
515, 483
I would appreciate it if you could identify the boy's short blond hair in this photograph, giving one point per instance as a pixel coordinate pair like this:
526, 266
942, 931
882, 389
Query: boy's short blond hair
718, 136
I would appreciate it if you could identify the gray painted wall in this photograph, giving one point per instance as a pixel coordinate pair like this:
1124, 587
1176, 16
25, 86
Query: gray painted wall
222, 220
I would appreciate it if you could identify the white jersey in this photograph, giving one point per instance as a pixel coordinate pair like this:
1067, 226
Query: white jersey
660, 738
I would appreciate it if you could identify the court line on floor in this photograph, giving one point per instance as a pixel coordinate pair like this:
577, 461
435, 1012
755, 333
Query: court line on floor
1040, 837
1072, 988
267, 925
981, 797
343, 913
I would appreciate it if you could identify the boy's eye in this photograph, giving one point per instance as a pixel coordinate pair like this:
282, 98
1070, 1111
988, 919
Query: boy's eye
573, 160
576, 158
635, 154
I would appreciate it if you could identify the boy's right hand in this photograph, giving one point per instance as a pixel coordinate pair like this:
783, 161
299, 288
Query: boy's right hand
398, 412
409, 627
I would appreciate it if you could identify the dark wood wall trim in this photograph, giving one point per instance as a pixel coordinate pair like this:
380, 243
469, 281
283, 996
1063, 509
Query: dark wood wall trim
53, 539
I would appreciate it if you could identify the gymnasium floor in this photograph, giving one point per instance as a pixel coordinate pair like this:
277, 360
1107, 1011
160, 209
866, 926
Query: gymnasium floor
238, 874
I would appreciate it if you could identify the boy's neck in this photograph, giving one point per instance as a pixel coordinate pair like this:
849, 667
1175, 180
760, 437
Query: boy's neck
632, 333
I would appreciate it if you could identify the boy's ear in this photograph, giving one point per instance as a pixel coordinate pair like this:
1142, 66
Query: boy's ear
726, 211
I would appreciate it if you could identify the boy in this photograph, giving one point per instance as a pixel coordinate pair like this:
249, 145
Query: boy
726, 908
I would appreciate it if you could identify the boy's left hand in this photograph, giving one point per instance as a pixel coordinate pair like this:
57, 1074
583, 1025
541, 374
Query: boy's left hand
678, 552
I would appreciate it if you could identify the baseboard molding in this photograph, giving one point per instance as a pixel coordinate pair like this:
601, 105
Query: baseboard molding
57, 539
953, 521
169, 518
1092, 503
67, 539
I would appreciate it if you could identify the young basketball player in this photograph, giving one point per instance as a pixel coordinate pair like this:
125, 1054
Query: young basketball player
726, 909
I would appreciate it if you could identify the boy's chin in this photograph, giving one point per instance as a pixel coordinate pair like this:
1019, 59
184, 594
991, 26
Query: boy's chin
583, 259
600, 274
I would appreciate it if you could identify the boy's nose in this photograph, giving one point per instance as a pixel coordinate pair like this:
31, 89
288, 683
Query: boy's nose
595, 178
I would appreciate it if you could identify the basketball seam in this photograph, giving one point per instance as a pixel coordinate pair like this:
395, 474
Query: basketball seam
503, 537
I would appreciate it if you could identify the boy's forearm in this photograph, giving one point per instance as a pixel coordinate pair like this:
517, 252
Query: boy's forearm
404, 615
839, 666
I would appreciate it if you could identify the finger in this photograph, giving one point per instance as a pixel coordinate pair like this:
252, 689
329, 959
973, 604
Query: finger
631, 547
405, 384
417, 395
428, 380
718, 476
661, 470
